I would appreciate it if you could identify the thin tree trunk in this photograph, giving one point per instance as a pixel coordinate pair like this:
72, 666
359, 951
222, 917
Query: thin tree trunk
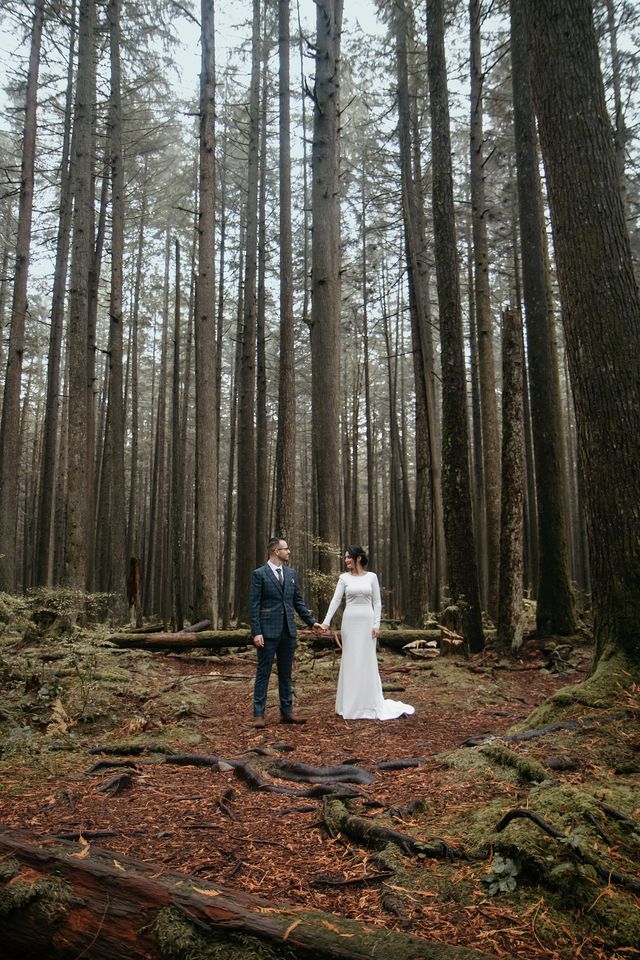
9, 429
115, 422
46, 498
133, 531
286, 438
262, 438
247, 492
510, 613
78, 517
177, 463
488, 405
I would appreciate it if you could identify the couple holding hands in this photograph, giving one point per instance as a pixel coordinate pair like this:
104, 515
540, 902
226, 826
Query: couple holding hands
273, 601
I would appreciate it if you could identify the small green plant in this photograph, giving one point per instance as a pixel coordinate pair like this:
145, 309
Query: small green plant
502, 878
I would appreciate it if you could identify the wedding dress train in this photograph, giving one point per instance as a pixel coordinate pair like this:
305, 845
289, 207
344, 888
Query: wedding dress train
359, 695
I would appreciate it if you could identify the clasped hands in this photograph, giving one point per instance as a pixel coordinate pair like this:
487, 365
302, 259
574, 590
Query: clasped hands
320, 628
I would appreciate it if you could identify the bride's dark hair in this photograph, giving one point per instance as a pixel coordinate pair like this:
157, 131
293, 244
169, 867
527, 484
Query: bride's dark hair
357, 553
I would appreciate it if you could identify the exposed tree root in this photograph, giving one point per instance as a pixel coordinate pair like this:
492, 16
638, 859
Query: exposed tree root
339, 820
605, 873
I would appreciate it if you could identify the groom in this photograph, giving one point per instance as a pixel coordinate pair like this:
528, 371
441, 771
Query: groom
273, 598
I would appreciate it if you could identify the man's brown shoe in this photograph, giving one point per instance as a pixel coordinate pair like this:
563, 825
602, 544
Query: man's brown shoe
259, 722
289, 719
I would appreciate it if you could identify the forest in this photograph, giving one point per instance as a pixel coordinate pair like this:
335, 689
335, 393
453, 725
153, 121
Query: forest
340, 276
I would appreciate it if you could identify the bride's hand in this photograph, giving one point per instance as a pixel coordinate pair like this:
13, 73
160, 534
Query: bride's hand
375, 633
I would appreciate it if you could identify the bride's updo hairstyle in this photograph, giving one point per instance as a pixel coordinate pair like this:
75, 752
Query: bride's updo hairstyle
357, 553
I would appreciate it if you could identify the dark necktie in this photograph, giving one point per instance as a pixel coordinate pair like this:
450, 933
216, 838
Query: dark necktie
279, 575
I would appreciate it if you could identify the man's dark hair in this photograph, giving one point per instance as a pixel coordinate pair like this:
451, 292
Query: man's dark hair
273, 543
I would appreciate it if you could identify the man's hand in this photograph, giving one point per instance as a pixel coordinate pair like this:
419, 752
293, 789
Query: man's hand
318, 628
258, 640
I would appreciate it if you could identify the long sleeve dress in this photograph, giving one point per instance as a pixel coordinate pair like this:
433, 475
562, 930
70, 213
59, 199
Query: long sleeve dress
359, 695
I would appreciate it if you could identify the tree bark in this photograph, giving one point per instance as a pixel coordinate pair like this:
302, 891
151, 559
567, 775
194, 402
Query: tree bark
10, 426
286, 437
555, 607
47, 491
78, 516
177, 463
601, 307
456, 492
325, 282
510, 614
120, 909
115, 411
486, 367
421, 572
247, 493
206, 522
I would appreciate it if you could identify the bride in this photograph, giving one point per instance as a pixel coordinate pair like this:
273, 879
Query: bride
359, 695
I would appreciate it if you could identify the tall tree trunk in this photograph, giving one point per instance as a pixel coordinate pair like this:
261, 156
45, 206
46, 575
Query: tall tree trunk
421, 573
477, 475
78, 473
9, 429
555, 607
325, 280
510, 614
601, 307
154, 579
206, 523
177, 464
262, 436
115, 411
456, 492
247, 493
371, 535
46, 496
133, 532
286, 438
95, 449
488, 405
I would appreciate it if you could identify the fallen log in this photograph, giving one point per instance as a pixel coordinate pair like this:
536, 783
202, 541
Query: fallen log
189, 639
196, 627
62, 900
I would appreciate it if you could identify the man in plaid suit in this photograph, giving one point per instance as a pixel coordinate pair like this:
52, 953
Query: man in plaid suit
274, 599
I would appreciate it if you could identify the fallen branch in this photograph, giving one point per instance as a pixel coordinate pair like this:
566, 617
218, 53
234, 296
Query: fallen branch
98, 903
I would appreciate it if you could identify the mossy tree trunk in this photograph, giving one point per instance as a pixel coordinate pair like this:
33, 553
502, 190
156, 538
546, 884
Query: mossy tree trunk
601, 306
555, 607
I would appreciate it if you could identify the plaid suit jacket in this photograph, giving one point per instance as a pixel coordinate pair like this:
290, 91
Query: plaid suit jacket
272, 607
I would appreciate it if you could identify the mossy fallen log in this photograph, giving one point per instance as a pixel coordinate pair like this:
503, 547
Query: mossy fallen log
217, 639
210, 639
62, 900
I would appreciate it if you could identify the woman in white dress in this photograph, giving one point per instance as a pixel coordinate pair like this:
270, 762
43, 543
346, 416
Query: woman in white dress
359, 695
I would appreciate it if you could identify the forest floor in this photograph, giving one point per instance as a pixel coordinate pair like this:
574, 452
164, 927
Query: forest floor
70, 698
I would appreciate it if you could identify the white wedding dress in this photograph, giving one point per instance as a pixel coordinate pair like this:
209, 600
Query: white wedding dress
359, 695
